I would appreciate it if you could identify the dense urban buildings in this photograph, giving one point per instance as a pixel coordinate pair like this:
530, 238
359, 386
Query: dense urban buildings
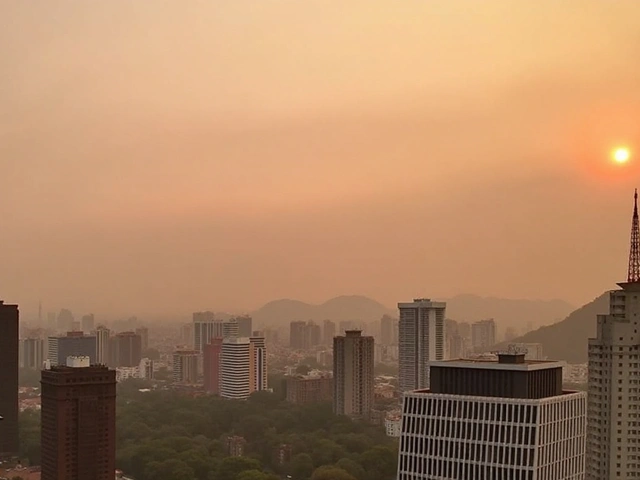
74, 344
493, 420
613, 439
421, 340
304, 335
185, 366
532, 351
483, 335
353, 375
304, 389
78, 421
126, 349
9, 331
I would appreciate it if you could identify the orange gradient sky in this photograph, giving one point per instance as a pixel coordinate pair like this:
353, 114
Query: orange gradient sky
172, 156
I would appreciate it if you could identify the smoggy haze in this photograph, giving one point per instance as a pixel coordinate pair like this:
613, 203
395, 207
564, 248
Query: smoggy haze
170, 156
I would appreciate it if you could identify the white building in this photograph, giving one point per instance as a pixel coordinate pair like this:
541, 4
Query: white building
146, 368
483, 420
123, 373
393, 424
235, 369
532, 351
103, 334
613, 441
206, 327
421, 340
483, 335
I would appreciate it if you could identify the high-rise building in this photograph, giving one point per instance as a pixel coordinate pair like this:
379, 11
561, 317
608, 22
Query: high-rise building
78, 421
304, 335
187, 333
258, 351
204, 329
103, 335
144, 335
297, 333
235, 368
483, 335
353, 374
243, 366
245, 325
127, 349
302, 390
33, 353
493, 420
211, 365
329, 331
387, 324
185, 366
146, 369
613, 438
9, 346
421, 341
74, 344
88, 323
65, 321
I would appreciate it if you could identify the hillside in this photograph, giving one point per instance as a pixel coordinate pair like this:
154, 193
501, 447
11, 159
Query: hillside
508, 312
353, 307
462, 307
567, 340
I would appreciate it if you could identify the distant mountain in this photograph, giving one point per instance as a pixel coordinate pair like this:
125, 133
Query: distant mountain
507, 312
567, 340
353, 307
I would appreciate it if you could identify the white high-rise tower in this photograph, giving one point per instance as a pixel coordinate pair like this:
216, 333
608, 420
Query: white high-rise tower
421, 340
613, 433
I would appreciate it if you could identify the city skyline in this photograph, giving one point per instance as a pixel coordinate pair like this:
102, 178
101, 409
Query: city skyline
220, 169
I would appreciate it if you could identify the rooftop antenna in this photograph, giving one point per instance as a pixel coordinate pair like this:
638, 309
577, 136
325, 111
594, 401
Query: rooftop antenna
633, 275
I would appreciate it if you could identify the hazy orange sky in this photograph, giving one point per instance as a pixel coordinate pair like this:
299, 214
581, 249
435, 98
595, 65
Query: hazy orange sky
168, 156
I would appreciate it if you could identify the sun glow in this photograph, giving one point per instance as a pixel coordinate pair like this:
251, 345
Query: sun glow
621, 155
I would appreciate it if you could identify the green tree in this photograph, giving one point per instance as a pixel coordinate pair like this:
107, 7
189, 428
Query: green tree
231, 467
352, 468
301, 466
380, 463
256, 475
171, 469
328, 472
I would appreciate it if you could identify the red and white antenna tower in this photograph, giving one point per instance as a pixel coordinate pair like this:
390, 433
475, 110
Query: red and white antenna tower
633, 275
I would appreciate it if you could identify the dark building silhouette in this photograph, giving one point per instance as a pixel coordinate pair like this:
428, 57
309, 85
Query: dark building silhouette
127, 349
73, 344
211, 365
9, 321
78, 439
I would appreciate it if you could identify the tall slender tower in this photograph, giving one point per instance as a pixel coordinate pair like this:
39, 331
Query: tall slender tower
353, 376
9, 320
78, 434
613, 424
421, 340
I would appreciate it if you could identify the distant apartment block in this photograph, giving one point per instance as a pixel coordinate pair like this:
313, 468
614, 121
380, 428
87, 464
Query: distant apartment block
303, 390
185, 366
483, 335
353, 374
421, 341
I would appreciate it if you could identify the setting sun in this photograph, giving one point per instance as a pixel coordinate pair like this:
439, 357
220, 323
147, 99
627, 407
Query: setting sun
621, 155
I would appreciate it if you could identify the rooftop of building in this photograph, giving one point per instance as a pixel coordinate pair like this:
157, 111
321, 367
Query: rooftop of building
504, 361
427, 391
